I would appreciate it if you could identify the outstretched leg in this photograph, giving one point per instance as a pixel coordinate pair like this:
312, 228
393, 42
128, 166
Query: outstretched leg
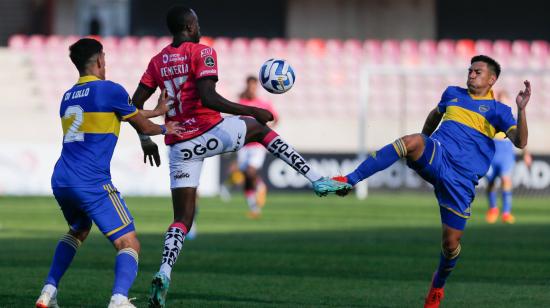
410, 147
257, 132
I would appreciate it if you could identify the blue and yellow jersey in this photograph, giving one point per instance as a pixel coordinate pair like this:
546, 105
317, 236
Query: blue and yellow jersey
90, 113
468, 127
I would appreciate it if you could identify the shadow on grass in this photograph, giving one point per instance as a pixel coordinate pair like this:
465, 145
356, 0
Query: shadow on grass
286, 268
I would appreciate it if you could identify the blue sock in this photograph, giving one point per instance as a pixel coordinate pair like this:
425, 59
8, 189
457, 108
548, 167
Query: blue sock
378, 161
62, 258
446, 266
126, 267
492, 199
506, 201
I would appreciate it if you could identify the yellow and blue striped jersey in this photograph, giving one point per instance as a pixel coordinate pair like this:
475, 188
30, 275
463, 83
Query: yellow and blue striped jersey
468, 127
90, 113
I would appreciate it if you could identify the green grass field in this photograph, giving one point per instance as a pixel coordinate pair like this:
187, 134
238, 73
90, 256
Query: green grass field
304, 252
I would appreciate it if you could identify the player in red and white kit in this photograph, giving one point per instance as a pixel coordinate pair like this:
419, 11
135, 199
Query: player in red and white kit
251, 157
189, 71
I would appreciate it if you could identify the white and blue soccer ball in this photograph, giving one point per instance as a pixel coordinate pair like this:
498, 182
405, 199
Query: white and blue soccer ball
277, 76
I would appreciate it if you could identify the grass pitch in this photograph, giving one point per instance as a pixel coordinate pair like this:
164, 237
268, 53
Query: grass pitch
304, 252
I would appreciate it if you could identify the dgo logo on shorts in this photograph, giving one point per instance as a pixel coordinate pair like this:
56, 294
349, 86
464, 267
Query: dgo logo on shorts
200, 149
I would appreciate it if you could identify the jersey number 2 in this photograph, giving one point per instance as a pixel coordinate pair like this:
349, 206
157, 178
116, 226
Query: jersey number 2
73, 133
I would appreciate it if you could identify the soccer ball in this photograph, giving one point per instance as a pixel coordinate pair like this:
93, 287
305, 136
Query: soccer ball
277, 76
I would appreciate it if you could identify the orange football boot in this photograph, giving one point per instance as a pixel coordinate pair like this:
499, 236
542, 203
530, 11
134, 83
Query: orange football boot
492, 215
433, 300
508, 218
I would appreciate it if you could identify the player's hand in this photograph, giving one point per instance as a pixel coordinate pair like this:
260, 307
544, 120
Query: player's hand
165, 102
151, 151
523, 96
261, 115
174, 128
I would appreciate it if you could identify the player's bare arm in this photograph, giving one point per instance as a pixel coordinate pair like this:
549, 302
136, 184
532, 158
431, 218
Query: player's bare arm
520, 134
149, 147
163, 105
146, 127
211, 99
432, 121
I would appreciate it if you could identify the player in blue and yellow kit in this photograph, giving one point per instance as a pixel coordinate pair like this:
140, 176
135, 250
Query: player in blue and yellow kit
502, 167
90, 113
456, 155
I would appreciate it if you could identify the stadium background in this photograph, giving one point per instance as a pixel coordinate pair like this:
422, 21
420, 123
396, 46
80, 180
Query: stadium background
385, 61
378, 63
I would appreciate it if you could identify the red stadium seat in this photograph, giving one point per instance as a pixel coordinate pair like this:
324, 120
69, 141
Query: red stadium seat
465, 49
36, 43
221, 44
373, 51
147, 44
128, 43
428, 51
484, 47
239, 46
207, 40
391, 52
446, 52
502, 51
539, 54
18, 42
410, 54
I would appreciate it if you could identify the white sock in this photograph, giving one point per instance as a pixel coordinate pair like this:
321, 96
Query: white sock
119, 299
251, 201
282, 150
51, 289
173, 243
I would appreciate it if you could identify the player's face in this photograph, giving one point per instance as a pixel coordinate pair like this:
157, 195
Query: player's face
480, 77
101, 64
195, 28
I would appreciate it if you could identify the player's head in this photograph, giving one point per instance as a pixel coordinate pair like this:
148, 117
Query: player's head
483, 73
182, 21
88, 57
251, 87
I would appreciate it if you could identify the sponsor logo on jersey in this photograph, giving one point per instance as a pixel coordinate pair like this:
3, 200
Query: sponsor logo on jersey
165, 58
483, 108
209, 61
174, 57
208, 72
206, 52
454, 100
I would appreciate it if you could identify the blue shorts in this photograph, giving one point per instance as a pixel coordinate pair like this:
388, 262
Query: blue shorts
103, 205
501, 165
454, 191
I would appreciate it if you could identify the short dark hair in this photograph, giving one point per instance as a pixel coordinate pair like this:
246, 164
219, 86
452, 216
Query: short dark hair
251, 78
83, 50
176, 19
491, 63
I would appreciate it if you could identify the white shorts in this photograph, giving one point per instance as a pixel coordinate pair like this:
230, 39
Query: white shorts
186, 157
251, 156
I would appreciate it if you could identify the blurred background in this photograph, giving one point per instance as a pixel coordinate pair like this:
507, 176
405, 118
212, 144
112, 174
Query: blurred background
367, 72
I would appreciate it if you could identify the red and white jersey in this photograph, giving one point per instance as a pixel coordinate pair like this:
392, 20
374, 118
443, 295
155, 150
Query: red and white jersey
260, 103
177, 70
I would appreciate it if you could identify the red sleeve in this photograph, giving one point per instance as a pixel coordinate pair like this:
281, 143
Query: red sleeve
204, 62
148, 78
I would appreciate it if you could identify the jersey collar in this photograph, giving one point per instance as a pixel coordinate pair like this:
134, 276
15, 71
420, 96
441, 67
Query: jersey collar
489, 96
87, 78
